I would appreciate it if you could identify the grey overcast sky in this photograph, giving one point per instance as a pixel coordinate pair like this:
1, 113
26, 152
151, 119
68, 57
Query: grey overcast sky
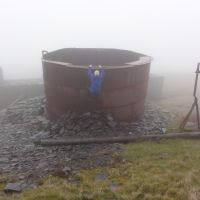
167, 30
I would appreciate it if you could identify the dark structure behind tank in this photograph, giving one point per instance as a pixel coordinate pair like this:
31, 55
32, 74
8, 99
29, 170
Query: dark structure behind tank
155, 89
124, 87
1, 76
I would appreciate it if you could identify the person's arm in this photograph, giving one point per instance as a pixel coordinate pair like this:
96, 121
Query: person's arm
90, 73
102, 71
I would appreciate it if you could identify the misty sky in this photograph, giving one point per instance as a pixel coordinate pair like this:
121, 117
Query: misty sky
168, 30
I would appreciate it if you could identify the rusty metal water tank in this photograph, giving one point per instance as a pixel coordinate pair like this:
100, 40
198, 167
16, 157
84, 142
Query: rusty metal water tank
124, 88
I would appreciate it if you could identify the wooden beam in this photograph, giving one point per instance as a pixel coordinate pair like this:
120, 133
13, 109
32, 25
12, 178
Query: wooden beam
124, 139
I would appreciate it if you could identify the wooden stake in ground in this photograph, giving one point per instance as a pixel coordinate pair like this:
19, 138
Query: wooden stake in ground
195, 104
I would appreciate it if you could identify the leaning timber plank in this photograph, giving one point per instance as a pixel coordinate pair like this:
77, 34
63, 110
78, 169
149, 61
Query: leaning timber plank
129, 139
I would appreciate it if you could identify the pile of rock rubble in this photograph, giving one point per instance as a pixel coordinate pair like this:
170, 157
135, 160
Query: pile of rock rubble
25, 121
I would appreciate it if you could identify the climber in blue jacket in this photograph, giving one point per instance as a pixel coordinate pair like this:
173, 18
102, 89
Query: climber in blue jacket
96, 79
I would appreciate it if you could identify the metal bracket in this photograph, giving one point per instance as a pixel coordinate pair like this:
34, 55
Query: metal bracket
44, 52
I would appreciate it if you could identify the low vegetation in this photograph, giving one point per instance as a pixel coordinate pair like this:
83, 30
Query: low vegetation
166, 169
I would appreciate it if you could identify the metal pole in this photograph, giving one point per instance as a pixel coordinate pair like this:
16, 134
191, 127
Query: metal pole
195, 103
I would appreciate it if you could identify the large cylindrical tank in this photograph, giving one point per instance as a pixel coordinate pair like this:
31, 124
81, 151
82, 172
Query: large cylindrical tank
124, 87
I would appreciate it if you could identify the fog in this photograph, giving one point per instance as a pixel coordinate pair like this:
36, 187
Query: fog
167, 30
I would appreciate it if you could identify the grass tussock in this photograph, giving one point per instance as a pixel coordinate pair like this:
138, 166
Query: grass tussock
165, 170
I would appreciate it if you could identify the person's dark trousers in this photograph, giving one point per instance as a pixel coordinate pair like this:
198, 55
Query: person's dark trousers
93, 100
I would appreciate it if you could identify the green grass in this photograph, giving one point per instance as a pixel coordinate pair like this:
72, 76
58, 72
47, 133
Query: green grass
167, 170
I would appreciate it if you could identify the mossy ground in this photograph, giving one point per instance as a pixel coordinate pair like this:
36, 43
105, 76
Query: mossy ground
167, 169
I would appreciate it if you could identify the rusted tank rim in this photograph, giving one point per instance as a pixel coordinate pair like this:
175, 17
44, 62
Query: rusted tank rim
143, 60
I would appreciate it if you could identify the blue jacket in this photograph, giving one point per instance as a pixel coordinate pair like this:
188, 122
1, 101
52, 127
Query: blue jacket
95, 81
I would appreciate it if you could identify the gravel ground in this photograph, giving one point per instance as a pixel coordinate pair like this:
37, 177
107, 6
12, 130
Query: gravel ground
25, 121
